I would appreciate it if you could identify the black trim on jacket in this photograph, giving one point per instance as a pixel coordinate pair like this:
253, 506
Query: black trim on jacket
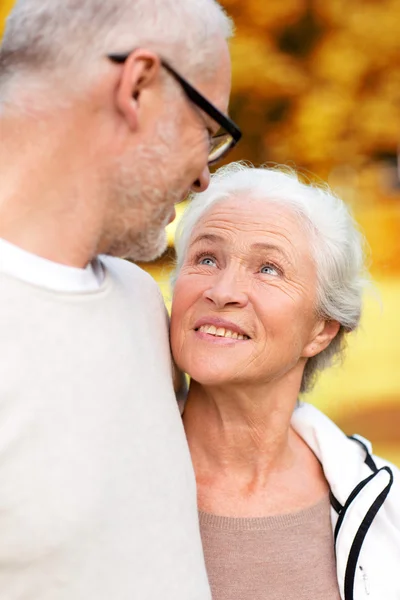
349, 501
369, 461
335, 503
366, 523
361, 533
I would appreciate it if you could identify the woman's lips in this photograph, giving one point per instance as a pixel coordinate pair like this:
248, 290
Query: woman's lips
216, 327
218, 339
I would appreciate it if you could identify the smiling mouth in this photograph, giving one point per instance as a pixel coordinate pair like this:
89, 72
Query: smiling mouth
222, 332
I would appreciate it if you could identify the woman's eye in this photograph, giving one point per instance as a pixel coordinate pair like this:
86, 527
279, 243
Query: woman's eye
207, 261
269, 270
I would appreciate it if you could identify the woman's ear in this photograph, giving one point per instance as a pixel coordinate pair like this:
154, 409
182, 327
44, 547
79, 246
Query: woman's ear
139, 72
323, 334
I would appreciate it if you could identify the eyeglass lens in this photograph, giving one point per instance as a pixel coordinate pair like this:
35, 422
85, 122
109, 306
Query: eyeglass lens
220, 145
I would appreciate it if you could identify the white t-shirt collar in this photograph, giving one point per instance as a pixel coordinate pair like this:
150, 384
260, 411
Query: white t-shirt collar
39, 271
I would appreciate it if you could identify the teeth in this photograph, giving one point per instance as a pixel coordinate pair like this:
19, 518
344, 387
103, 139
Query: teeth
222, 332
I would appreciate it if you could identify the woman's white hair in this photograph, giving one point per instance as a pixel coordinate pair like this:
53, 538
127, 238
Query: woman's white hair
42, 34
335, 242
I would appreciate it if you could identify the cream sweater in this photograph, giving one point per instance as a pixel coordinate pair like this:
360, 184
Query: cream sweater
97, 493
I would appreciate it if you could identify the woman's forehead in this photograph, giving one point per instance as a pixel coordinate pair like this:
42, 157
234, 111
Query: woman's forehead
250, 217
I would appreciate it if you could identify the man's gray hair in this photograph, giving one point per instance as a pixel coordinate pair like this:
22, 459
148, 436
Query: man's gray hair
46, 34
335, 242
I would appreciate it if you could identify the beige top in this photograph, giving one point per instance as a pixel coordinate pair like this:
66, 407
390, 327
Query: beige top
285, 557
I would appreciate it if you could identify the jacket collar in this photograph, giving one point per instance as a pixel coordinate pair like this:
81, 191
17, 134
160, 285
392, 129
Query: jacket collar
342, 459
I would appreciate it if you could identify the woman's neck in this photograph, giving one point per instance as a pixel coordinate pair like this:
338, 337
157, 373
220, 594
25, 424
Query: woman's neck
239, 429
247, 459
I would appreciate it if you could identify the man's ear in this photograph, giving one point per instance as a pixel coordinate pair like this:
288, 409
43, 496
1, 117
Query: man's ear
324, 333
139, 72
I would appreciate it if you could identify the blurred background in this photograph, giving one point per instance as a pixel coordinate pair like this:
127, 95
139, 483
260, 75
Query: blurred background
316, 85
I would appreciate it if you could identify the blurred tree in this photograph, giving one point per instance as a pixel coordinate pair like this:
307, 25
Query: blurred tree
317, 82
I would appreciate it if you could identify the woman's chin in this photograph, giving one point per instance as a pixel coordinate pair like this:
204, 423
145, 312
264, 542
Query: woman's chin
209, 369
212, 377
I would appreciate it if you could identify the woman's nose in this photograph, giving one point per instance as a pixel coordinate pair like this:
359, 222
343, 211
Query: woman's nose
227, 290
202, 183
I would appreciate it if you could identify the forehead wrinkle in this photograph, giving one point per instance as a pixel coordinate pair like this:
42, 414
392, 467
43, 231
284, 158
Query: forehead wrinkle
207, 237
220, 224
223, 218
238, 228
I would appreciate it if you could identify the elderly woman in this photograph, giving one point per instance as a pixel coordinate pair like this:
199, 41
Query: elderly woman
268, 284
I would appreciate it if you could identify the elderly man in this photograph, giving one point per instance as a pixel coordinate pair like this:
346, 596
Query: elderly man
101, 133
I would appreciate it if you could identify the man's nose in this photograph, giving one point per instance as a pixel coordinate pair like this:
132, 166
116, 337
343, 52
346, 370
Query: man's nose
202, 183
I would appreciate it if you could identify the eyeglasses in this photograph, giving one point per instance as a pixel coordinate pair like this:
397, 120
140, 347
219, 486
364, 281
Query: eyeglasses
220, 144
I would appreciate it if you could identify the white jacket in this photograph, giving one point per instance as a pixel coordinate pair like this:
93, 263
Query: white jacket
365, 508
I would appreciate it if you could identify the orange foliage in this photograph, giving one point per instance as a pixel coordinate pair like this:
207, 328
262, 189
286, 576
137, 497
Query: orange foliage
316, 84
325, 76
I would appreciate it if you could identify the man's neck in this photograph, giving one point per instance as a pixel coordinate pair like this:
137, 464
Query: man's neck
50, 202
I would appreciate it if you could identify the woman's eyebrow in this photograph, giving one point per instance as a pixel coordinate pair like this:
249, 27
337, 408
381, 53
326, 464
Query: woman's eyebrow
207, 237
215, 239
268, 247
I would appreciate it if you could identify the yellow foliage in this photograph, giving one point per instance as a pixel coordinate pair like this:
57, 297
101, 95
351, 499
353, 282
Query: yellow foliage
5, 7
269, 15
258, 69
328, 63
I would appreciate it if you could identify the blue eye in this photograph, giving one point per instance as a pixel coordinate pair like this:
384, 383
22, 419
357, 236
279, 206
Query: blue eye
207, 261
269, 270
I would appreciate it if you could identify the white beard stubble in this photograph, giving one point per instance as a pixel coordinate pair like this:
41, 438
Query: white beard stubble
143, 201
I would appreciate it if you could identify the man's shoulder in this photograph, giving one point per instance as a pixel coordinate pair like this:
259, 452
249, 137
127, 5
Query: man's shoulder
127, 272
135, 285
